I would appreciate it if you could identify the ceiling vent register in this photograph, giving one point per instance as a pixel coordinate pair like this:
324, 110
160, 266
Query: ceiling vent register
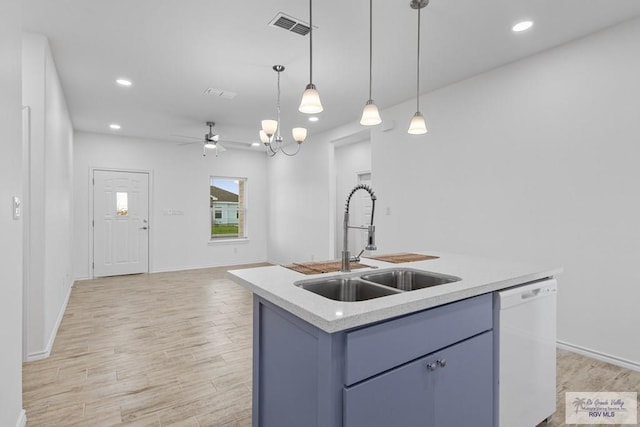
290, 23
221, 93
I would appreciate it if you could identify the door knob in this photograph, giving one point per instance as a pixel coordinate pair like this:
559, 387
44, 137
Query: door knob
144, 228
442, 362
431, 366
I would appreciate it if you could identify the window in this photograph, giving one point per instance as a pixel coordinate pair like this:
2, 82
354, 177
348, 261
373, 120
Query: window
122, 204
228, 206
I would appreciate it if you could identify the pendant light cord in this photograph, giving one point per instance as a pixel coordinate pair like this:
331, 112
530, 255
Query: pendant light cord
370, 46
418, 67
278, 108
310, 42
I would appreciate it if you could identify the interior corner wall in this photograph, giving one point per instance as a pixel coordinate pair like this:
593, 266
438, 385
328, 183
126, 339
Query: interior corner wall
179, 181
302, 201
350, 160
535, 161
11, 413
301, 206
48, 205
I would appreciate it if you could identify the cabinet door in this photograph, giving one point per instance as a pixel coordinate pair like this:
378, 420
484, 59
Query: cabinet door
464, 390
400, 397
457, 392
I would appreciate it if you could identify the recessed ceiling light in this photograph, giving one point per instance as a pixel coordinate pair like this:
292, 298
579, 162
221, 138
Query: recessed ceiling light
522, 26
255, 144
123, 82
114, 126
313, 119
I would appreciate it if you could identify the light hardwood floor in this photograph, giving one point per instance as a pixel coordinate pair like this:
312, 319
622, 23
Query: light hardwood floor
174, 349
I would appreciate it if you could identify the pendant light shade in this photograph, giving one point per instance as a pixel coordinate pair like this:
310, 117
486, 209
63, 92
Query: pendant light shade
310, 103
263, 137
269, 127
418, 126
299, 134
370, 114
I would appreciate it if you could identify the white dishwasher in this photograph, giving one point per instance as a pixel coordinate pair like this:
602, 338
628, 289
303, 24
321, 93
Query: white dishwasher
525, 326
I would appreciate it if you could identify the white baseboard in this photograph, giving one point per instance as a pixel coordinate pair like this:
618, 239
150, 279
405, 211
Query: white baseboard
618, 361
22, 419
203, 266
38, 355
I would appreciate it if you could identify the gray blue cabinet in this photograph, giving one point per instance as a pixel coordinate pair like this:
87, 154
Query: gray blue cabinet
431, 368
451, 387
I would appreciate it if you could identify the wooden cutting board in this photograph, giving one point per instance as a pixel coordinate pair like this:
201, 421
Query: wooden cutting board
321, 266
403, 257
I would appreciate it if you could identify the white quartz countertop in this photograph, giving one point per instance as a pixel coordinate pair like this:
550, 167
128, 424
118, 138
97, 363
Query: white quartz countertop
479, 276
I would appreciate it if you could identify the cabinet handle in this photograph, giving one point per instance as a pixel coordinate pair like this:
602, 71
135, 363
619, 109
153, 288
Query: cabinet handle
431, 366
442, 362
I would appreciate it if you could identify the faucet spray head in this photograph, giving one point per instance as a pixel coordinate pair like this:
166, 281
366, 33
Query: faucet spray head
371, 238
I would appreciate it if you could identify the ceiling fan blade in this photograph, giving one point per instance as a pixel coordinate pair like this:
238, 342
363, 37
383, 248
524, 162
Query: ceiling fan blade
187, 137
190, 142
220, 147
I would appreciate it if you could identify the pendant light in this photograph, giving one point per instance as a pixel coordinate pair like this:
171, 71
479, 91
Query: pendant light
418, 125
370, 114
310, 103
270, 133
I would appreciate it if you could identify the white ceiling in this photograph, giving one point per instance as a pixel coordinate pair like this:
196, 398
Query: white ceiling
173, 50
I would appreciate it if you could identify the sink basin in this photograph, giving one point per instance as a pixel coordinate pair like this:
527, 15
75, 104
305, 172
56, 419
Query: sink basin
406, 279
345, 289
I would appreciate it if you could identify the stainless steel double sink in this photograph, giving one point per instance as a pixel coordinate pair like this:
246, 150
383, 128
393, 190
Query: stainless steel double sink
368, 285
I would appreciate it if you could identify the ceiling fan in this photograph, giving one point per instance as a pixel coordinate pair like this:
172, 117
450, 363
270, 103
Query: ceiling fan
211, 141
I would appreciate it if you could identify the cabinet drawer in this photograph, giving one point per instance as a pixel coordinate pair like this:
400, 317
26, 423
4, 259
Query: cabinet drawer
383, 346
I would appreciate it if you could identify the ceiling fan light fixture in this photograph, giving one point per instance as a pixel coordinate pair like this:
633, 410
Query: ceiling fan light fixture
209, 144
370, 114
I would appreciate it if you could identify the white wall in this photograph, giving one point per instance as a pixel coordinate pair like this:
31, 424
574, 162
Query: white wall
179, 182
304, 201
350, 160
535, 161
11, 413
301, 204
48, 204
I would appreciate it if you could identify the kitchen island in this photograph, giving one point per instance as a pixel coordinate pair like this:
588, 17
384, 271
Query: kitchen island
420, 357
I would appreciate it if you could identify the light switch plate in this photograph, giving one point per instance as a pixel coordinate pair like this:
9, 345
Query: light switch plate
17, 207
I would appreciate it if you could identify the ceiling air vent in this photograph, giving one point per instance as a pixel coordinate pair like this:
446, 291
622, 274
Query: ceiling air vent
290, 23
226, 94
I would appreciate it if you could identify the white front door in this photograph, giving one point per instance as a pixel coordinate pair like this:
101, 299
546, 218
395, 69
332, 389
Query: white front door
120, 223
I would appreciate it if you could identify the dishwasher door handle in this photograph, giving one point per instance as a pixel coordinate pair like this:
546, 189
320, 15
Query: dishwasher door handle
530, 294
